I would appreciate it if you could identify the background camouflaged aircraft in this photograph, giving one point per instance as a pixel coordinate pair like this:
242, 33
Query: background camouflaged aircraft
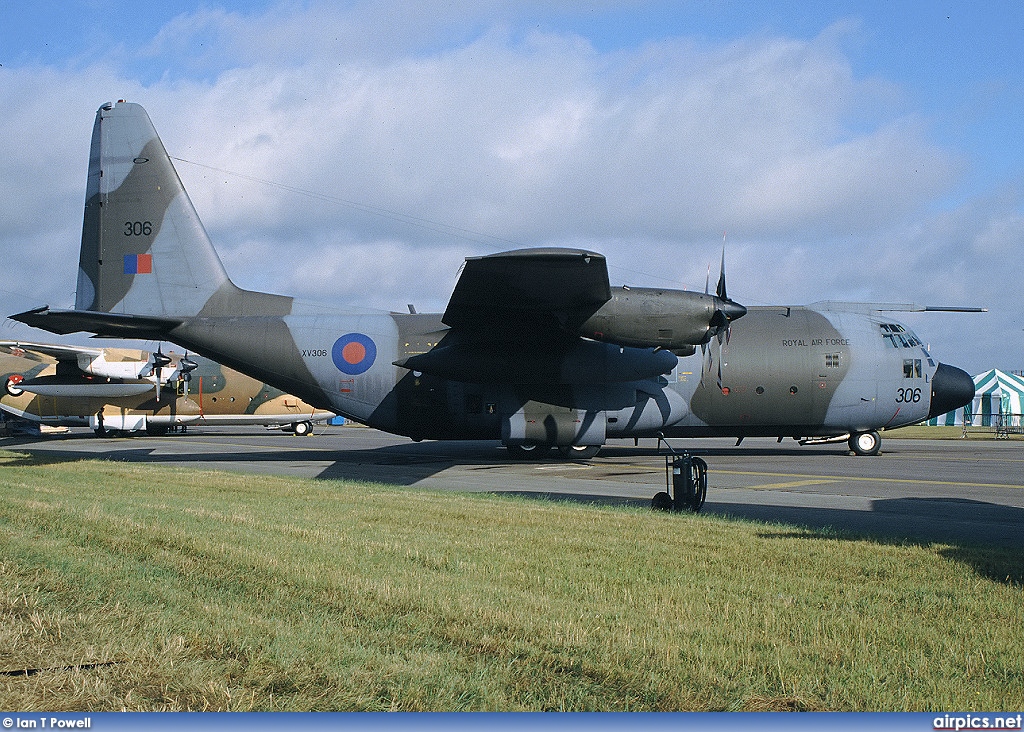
115, 390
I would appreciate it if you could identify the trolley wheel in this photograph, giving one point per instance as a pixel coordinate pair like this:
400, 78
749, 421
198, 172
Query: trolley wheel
661, 502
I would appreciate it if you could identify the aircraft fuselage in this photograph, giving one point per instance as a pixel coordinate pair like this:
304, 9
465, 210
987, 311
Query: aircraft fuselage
785, 371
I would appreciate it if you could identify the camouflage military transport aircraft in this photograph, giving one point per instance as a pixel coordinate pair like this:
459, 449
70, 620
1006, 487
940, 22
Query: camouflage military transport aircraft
119, 391
534, 348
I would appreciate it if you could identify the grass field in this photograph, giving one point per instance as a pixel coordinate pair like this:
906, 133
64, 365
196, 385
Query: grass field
135, 587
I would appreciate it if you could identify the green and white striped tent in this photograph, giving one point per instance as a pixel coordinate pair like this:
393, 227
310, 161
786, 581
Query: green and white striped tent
997, 399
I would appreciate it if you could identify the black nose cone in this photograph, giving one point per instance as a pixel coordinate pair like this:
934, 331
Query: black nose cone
952, 388
732, 309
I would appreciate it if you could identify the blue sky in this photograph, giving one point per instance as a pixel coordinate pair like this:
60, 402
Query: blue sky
858, 151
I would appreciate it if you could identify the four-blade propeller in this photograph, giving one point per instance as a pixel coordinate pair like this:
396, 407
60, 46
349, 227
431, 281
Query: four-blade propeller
159, 361
726, 311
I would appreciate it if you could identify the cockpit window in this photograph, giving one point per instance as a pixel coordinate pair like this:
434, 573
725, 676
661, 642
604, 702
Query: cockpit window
899, 337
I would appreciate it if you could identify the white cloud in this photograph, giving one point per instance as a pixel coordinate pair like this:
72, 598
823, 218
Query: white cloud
547, 139
397, 144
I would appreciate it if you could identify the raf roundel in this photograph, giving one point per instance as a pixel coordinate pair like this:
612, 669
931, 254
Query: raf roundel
354, 353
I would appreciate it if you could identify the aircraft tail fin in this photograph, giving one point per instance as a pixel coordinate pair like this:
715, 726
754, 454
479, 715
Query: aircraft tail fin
144, 249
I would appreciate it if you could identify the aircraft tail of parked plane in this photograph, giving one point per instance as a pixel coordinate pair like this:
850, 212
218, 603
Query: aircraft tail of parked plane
535, 348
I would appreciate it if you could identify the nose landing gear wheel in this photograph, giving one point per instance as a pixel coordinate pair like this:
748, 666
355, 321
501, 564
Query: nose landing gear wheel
865, 443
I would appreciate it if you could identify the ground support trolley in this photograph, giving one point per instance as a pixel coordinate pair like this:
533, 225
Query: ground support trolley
686, 483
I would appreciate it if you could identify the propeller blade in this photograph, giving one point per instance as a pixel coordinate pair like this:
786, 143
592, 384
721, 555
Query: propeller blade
720, 290
703, 361
722, 338
185, 368
160, 360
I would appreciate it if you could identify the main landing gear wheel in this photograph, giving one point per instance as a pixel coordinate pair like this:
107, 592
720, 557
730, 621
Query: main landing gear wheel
528, 451
865, 443
302, 428
579, 452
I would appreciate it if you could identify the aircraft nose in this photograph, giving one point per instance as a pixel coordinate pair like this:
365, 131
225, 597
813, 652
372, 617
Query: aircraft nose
952, 388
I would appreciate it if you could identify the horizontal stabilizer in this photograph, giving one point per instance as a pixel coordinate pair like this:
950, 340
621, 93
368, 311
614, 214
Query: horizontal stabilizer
103, 325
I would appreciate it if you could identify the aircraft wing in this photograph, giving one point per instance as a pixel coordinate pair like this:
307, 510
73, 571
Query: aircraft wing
545, 289
891, 307
48, 350
101, 325
109, 363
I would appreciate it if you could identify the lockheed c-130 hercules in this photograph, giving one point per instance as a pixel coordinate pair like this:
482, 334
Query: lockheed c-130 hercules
535, 348
121, 391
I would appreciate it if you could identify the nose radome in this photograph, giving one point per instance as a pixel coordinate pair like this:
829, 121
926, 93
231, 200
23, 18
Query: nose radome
952, 388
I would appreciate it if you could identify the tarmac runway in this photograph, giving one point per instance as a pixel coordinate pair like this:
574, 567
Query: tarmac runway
944, 491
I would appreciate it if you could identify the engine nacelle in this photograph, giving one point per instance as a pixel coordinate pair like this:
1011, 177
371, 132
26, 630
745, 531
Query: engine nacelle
100, 366
584, 362
675, 320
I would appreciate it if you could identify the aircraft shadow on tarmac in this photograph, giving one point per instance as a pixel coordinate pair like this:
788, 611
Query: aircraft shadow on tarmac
960, 523
404, 464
